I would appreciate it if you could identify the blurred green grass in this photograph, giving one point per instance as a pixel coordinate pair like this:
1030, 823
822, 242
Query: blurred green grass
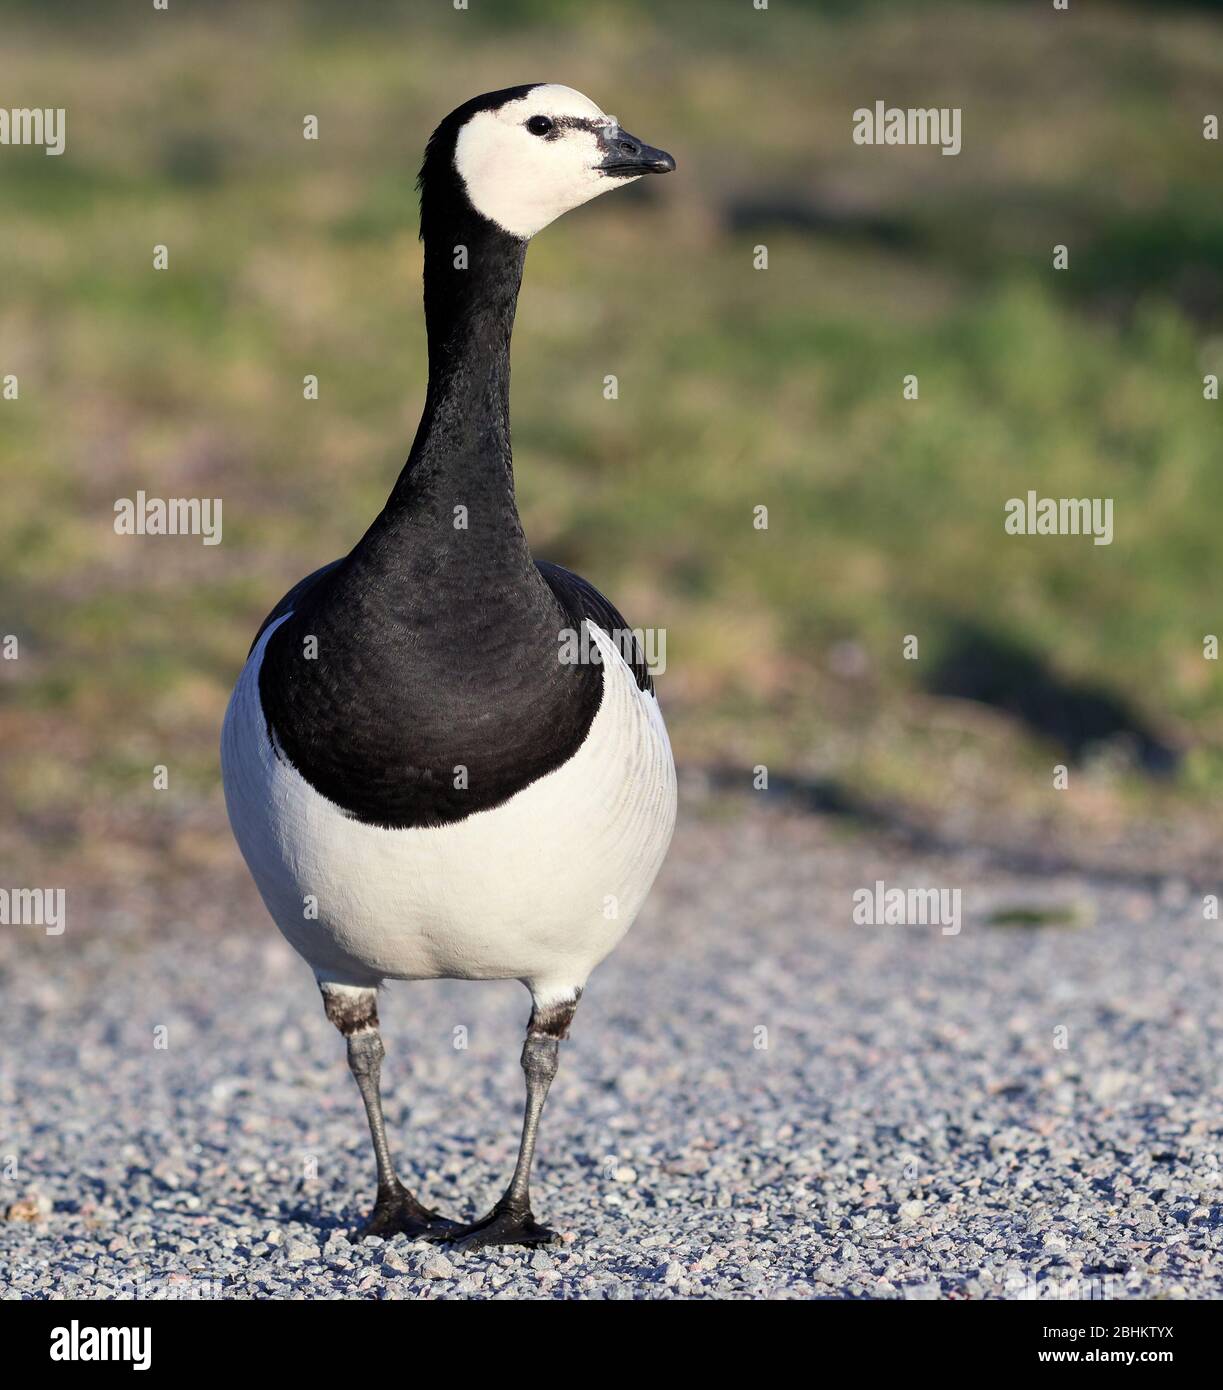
738, 387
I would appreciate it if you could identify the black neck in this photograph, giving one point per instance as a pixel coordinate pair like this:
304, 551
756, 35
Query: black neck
473, 272
461, 456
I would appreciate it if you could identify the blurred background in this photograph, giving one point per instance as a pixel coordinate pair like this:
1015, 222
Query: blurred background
738, 387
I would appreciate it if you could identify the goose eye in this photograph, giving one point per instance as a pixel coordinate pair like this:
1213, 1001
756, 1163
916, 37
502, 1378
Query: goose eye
539, 125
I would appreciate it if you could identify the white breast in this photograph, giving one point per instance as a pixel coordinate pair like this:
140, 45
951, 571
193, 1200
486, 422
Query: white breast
539, 889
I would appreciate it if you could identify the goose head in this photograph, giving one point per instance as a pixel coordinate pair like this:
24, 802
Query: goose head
523, 156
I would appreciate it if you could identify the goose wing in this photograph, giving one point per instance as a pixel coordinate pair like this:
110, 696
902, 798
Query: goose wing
582, 600
294, 596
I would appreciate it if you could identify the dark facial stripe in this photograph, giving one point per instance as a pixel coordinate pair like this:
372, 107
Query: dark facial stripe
561, 124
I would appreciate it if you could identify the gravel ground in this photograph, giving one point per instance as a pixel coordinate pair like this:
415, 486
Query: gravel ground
760, 1098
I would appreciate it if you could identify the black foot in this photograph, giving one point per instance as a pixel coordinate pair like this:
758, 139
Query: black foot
399, 1213
502, 1226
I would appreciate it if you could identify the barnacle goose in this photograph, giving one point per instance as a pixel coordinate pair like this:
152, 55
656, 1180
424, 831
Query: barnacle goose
421, 786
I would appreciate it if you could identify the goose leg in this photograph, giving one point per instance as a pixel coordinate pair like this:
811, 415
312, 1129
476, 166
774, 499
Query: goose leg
511, 1221
396, 1211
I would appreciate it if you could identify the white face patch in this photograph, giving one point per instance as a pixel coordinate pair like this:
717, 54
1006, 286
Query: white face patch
522, 181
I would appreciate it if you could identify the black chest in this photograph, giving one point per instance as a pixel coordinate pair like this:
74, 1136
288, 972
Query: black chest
425, 711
